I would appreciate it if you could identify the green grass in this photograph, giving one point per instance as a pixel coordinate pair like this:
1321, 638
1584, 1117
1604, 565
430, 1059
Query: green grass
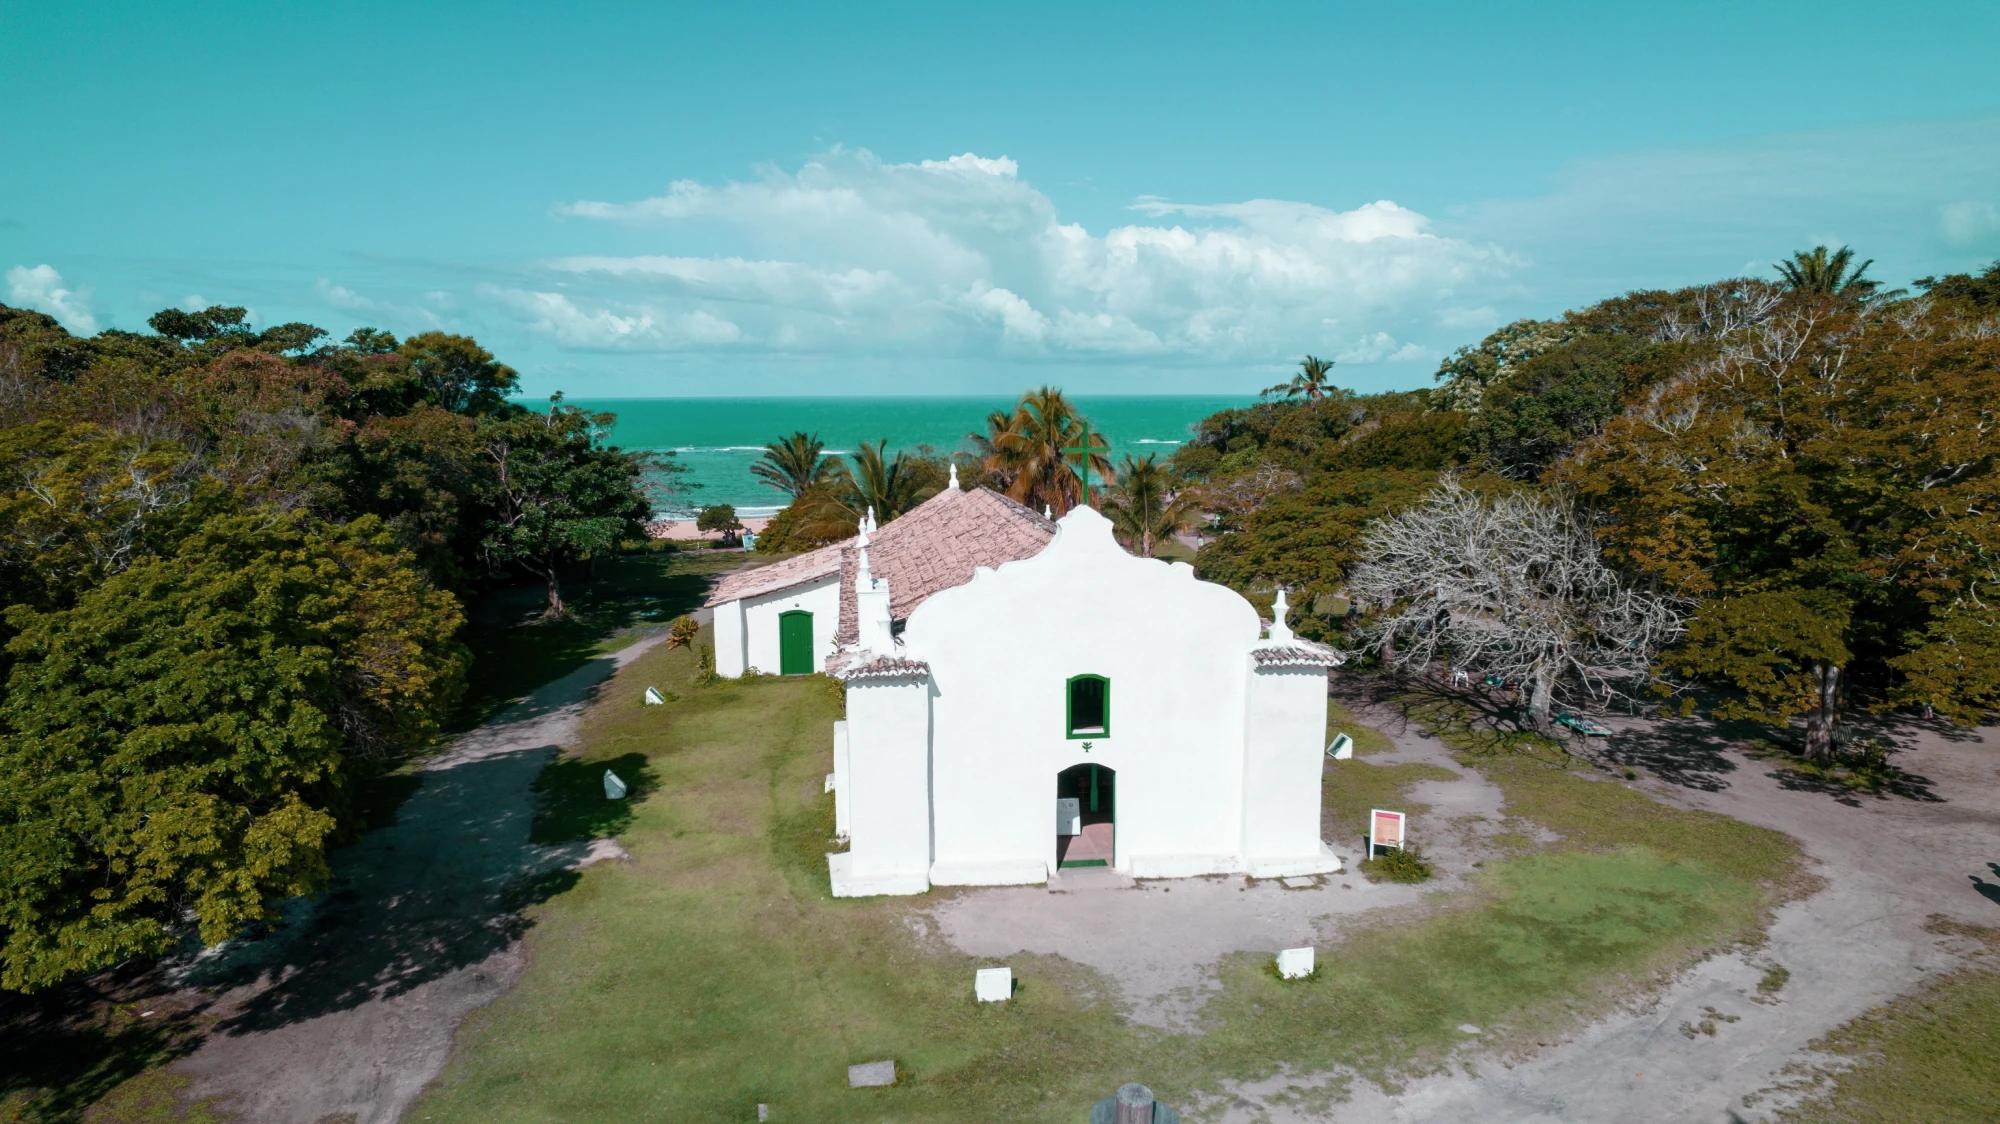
714, 971
514, 650
1930, 1056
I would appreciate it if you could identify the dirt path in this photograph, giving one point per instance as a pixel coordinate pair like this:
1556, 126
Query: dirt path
1889, 864
1159, 941
350, 1010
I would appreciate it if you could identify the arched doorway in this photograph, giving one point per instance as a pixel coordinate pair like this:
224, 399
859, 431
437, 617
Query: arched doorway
1086, 831
795, 643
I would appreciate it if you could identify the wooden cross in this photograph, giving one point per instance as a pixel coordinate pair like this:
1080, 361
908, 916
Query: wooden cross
1083, 452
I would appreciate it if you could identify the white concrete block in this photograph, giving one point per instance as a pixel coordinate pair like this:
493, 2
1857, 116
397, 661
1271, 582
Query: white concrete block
614, 788
993, 985
1342, 748
831, 782
654, 697
1295, 963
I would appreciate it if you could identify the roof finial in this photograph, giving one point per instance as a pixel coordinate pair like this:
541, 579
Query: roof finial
872, 525
954, 477
1280, 609
1048, 512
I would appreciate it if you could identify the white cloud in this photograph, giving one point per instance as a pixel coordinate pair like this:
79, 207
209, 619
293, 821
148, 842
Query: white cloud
41, 287
1968, 221
347, 300
961, 255
601, 329
1381, 347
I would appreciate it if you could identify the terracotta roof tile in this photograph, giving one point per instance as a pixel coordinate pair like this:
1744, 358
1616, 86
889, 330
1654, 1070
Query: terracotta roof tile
849, 666
810, 566
1295, 653
939, 544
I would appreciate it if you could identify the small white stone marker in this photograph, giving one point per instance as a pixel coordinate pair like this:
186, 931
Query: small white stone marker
1294, 963
654, 697
993, 985
871, 1075
1342, 748
614, 789
830, 786
763, 1111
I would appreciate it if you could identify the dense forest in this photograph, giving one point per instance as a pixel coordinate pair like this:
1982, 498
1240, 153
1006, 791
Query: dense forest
233, 569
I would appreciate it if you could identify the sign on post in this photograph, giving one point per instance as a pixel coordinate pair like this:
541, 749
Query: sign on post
1385, 829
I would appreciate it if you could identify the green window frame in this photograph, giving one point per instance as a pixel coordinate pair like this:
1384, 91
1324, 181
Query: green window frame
1103, 687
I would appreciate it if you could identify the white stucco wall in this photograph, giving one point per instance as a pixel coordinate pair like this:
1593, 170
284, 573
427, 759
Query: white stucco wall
887, 780
729, 640
1001, 649
1283, 771
759, 629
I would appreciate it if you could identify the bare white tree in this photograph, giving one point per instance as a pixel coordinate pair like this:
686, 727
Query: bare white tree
1510, 587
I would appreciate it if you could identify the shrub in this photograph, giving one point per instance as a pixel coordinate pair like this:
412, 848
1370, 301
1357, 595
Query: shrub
683, 631
1406, 864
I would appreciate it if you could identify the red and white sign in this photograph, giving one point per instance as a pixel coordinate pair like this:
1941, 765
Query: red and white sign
1385, 829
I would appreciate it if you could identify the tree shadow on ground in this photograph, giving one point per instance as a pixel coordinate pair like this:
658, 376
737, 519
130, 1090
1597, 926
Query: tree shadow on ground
1863, 769
515, 650
1988, 890
63, 1050
444, 887
1688, 752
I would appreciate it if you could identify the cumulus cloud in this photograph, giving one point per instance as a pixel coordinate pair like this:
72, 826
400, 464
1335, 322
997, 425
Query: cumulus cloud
40, 287
961, 254
1968, 221
602, 329
389, 312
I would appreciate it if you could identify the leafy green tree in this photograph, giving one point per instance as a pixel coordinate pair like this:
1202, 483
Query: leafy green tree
719, 517
1828, 273
1313, 382
1981, 290
1535, 413
174, 746
454, 373
1144, 509
886, 485
558, 496
1831, 478
797, 464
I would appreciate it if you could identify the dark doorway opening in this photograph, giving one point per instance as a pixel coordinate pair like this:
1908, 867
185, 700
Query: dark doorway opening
1095, 790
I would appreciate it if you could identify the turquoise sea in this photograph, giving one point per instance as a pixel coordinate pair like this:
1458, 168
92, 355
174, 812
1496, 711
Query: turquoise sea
718, 438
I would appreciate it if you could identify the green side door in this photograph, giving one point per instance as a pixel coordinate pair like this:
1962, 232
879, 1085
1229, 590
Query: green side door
795, 642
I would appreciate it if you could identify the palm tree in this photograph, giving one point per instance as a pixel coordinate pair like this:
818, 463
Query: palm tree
1820, 271
797, 464
1144, 510
1027, 451
1313, 382
888, 486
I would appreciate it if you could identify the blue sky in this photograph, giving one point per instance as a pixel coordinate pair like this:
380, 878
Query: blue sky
823, 199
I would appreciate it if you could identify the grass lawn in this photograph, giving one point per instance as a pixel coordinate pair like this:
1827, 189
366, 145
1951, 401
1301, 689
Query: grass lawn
515, 651
715, 971
1929, 1056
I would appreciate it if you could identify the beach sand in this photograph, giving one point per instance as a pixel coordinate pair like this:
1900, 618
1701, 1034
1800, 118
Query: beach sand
684, 530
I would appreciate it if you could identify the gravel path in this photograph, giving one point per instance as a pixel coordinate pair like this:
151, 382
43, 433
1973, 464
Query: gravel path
1890, 864
350, 1010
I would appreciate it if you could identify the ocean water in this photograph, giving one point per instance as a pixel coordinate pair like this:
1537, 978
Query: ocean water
718, 438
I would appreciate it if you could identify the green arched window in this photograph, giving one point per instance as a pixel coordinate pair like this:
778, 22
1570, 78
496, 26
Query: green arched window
1087, 706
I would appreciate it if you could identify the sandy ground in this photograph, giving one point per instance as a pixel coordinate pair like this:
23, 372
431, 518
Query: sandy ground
350, 1010
1889, 865
684, 529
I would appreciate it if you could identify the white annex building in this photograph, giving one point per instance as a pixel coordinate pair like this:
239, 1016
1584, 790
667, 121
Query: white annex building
1041, 699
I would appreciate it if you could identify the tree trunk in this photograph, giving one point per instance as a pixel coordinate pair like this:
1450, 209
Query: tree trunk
1820, 723
1539, 702
1145, 544
555, 608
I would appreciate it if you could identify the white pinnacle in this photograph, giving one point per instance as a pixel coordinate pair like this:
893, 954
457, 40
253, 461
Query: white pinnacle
1280, 609
954, 477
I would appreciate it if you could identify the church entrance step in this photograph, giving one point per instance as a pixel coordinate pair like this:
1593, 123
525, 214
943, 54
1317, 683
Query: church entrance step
1089, 879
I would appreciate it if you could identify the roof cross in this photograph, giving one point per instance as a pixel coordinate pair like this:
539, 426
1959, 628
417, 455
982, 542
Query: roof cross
1083, 451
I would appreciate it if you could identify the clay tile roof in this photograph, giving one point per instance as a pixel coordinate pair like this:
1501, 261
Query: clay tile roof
849, 666
1295, 653
939, 544
757, 581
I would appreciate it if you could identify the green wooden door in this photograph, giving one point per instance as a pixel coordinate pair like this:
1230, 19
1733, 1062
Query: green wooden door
795, 642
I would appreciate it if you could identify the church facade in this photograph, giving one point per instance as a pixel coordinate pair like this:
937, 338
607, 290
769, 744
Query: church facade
1074, 707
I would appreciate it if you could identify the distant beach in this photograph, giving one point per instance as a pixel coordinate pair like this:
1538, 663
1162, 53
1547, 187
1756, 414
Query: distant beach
717, 439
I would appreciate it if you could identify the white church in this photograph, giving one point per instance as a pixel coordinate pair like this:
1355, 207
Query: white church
1024, 696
